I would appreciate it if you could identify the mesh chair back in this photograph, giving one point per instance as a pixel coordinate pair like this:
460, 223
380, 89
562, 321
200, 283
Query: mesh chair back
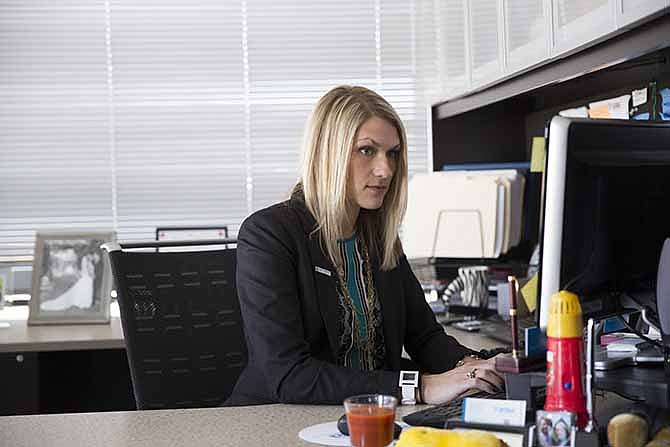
182, 326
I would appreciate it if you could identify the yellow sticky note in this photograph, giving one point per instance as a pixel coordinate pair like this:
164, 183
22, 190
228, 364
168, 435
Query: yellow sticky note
537, 155
529, 293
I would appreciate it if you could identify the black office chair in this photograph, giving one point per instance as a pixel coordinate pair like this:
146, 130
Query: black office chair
181, 323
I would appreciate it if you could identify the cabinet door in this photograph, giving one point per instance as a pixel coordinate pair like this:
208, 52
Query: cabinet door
628, 11
576, 22
452, 47
486, 53
20, 383
527, 33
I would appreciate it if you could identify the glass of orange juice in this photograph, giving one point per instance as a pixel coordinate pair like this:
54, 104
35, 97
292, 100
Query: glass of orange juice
370, 419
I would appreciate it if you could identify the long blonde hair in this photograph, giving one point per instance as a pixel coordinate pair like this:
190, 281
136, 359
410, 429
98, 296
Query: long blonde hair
327, 146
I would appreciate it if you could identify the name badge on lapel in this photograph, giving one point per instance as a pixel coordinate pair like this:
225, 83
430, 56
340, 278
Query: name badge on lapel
323, 271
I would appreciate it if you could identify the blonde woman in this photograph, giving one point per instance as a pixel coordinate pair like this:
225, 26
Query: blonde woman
327, 296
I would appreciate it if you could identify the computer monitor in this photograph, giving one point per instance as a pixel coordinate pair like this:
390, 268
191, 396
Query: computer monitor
607, 193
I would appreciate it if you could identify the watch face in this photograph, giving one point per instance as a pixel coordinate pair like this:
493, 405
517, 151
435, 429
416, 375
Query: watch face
409, 378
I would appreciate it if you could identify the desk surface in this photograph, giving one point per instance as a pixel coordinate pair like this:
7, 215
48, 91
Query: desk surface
19, 337
265, 425
647, 383
474, 340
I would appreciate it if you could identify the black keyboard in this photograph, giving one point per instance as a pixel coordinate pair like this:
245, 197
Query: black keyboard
436, 416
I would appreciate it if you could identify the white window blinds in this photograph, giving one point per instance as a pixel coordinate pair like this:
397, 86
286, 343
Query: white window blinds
132, 114
178, 97
55, 166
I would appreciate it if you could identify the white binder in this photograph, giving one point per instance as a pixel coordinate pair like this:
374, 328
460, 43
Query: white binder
451, 216
463, 214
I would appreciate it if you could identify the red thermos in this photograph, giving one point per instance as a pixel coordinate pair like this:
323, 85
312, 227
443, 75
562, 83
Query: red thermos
565, 357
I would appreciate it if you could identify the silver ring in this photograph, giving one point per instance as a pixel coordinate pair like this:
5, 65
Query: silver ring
472, 374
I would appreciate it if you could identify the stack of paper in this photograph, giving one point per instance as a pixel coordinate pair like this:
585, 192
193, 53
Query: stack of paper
463, 214
625, 344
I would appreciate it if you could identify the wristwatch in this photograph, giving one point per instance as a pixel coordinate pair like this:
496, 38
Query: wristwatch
408, 383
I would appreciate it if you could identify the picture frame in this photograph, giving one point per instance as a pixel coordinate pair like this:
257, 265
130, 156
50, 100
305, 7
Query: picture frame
72, 278
554, 428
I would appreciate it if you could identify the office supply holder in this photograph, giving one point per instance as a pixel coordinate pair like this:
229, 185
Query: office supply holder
517, 363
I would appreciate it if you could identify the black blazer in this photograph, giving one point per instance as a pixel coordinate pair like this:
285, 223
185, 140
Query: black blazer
290, 311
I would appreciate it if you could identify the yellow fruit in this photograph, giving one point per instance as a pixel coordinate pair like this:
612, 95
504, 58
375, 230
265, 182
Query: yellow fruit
662, 439
433, 437
627, 430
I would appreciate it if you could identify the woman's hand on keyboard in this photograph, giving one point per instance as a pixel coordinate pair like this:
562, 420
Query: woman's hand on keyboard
479, 375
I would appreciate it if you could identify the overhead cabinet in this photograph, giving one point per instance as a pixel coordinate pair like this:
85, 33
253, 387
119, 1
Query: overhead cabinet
482, 42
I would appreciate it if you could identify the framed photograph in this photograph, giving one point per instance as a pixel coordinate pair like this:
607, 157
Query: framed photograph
554, 428
72, 278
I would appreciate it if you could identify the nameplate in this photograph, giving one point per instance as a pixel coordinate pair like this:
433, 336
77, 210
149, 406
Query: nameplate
322, 270
494, 411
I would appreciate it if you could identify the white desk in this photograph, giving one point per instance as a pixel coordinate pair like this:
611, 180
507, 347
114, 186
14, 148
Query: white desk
19, 337
62, 368
59, 368
256, 426
474, 340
